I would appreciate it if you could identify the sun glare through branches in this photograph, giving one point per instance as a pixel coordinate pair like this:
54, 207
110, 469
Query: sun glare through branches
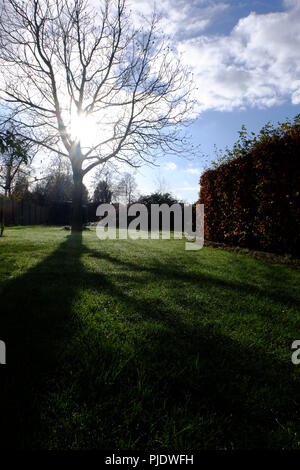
83, 129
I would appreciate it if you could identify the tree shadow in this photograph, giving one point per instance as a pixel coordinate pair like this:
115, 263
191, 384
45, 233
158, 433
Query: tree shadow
36, 322
174, 271
252, 393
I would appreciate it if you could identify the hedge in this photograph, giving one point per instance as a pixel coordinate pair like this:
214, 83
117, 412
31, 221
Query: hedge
252, 198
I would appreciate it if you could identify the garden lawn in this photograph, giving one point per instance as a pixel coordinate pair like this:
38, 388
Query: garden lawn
143, 345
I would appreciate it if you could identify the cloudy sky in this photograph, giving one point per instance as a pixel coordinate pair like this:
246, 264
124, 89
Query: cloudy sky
245, 57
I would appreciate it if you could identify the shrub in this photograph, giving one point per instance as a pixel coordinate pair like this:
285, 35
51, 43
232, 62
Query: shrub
251, 195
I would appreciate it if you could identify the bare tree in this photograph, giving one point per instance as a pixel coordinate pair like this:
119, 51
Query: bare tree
161, 185
126, 188
84, 84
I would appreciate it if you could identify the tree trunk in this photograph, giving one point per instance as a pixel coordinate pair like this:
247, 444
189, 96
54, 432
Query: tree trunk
2, 211
77, 210
2, 221
7, 194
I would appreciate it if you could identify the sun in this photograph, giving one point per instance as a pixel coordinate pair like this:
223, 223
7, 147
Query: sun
86, 129
83, 129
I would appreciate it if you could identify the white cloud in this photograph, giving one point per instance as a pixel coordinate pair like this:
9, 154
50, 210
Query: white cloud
171, 166
257, 64
181, 18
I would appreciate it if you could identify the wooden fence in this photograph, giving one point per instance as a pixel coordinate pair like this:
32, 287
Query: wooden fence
19, 212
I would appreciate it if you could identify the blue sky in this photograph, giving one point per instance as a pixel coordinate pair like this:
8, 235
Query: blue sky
245, 56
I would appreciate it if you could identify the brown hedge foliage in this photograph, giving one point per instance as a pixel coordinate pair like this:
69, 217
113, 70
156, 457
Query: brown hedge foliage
252, 198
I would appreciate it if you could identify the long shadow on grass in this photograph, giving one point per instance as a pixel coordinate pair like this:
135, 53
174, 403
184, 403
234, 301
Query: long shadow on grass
36, 324
174, 271
131, 372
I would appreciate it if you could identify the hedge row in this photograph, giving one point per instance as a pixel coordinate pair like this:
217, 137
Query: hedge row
253, 199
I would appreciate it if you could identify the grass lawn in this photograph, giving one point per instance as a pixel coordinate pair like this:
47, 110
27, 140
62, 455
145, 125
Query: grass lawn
142, 345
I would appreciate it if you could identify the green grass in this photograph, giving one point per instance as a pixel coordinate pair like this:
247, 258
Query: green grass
142, 345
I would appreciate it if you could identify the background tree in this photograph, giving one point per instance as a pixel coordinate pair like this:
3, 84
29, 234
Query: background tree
14, 158
103, 192
57, 185
83, 84
104, 183
21, 188
161, 185
158, 198
126, 189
